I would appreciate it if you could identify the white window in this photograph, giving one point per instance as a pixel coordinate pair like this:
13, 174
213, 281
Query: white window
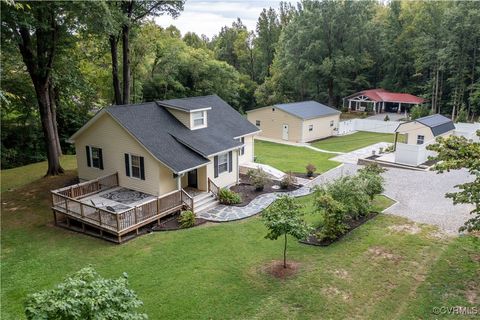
242, 150
332, 123
310, 127
198, 118
257, 123
135, 166
420, 139
222, 163
95, 154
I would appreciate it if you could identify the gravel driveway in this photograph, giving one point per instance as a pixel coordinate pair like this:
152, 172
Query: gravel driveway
421, 197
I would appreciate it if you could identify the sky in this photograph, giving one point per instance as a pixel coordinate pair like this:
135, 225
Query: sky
208, 17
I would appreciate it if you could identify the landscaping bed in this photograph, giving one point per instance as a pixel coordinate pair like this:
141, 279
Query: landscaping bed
247, 191
351, 225
171, 223
305, 176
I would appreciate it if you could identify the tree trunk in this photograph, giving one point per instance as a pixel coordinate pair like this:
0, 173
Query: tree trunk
285, 253
330, 93
115, 80
126, 63
50, 133
53, 96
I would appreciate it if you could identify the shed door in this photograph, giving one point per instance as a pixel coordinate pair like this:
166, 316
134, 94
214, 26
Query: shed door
285, 132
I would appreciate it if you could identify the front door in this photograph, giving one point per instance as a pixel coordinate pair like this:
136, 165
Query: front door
192, 179
285, 132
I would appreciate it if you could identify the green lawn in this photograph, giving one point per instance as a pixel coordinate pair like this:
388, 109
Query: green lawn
217, 271
13, 178
290, 158
353, 141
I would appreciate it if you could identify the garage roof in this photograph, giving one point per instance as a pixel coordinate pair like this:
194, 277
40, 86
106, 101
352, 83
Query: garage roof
307, 109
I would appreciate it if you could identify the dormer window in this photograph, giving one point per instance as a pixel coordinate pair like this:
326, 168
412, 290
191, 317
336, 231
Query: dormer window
198, 119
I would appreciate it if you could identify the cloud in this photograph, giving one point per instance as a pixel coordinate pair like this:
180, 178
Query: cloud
208, 17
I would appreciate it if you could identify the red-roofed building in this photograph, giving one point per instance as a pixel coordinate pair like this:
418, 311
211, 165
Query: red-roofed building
380, 100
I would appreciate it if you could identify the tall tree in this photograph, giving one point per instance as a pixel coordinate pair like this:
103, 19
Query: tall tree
268, 31
131, 13
37, 28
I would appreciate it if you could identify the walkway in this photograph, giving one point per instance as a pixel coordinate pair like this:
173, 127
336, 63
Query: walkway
352, 157
223, 213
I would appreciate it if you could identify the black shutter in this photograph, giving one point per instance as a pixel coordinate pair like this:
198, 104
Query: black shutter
127, 165
89, 161
215, 166
100, 158
230, 161
142, 169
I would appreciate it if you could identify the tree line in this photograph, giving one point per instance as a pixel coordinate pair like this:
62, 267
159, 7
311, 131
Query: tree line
62, 61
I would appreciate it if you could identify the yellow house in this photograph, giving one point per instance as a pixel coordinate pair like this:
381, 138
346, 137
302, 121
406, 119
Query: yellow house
418, 135
157, 157
297, 122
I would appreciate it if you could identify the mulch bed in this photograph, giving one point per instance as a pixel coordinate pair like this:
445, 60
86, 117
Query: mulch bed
277, 270
171, 223
351, 224
248, 193
305, 176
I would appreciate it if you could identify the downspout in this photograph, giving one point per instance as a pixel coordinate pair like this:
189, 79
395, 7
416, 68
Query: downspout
238, 166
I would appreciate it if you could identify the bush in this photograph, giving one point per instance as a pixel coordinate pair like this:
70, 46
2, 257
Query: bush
462, 115
310, 169
186, 219
389, 149
333, 214
258, 178
387, 118
288, 180
370, 177
86, 295
419, 112
228, 197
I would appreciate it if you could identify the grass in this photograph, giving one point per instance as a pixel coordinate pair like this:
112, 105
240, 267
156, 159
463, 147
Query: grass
217, 271
16, 177
353, 141
290, 158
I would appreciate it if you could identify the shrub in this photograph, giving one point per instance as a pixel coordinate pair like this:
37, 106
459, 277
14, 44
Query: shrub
310, 169
228, 197
333, 214
389, 149
288, 180
462, 115
350, 191
86, 295
387, 118
258, 178
373, 168
370, 177
186, 219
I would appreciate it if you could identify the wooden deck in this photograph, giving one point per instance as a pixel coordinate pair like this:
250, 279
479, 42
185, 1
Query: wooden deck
70, 211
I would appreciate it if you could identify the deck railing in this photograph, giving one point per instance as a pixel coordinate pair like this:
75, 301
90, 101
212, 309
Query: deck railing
118, 222
213, 188
86, 188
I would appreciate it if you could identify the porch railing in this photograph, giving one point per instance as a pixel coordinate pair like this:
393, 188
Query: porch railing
213, 188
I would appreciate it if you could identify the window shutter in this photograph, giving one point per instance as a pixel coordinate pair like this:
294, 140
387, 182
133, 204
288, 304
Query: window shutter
230, 161
127, 164
100, 156
89, 161
215, 166
142, 168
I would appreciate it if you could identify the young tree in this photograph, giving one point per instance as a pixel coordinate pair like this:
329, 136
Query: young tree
86, 295
283, 218
456, 153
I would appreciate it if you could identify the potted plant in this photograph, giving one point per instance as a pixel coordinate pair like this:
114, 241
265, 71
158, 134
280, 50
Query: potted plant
310, 170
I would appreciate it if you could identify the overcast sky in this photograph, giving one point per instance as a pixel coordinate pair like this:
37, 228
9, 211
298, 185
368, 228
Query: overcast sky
208, 17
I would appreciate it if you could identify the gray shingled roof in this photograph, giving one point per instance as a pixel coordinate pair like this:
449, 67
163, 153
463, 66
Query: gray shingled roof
175, 145
186, 104
437, 123
307, 109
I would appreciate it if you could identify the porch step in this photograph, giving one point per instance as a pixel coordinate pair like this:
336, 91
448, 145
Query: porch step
205, 202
